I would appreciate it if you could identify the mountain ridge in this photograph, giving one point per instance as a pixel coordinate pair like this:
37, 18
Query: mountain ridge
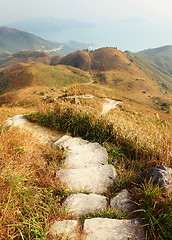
14, 40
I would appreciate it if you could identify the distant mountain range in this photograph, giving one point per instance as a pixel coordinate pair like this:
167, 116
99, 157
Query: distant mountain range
13, 40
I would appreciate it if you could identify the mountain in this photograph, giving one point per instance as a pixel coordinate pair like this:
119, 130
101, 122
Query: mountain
161, 56
155, 63
131, 76
13, 40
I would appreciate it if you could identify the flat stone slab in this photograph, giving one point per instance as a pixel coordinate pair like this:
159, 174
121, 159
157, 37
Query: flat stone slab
81, 153
65, 229
161, 176
122, 202
87, 159
113, 229
75, 145
80, 204
93, 179
67, 142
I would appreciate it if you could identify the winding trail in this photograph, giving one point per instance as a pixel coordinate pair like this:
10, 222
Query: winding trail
88, 175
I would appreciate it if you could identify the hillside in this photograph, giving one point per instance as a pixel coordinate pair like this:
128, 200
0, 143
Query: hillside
159, 74
161, 56
13, 40
112, 73
23, 75
79, 59
132, 78
25, 56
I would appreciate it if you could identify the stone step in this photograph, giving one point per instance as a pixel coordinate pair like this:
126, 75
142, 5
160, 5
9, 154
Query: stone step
122, 202
114, 229
87, 159
75, 145
93, 179
98, 229
65, 229
80, 204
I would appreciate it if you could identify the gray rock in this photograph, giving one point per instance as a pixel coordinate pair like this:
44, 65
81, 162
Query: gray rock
113, 229
122, 202
158, 175
80, 204
93, 179
64, 229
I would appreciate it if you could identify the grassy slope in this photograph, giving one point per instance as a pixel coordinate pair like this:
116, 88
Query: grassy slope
132, 79
23, 75
78, 59
161, 77
26, 56
13, 40
134, 143
161, 56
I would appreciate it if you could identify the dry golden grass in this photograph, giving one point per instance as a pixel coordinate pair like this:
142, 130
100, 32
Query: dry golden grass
24, 75
29, 196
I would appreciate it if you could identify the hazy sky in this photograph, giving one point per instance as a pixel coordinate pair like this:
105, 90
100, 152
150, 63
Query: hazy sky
127, 24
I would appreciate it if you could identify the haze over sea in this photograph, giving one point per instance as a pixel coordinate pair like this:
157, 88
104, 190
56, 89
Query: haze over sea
124, 37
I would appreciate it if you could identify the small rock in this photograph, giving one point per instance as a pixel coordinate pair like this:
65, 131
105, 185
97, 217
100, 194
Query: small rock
113, 229
158, 175
93, 179
121, 107
122, 202
80, 204
64, 229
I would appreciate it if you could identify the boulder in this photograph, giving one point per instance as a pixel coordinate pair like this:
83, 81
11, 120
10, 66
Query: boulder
80, 204
161, 176
93, 179
122, 202
113, 229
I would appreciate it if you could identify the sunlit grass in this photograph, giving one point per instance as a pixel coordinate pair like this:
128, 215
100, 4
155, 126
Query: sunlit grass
29, 197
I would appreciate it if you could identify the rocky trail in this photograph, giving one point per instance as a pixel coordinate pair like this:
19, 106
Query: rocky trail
107, 105
88, 175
